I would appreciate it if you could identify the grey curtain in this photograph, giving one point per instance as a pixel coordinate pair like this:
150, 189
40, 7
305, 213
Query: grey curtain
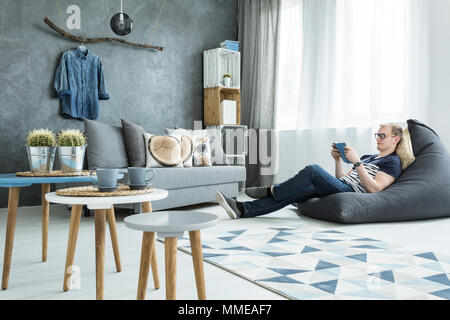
258, 36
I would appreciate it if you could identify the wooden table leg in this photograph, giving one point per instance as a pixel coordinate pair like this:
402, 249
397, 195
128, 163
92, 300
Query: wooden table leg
75, 218
170, 246
45, 188
147, 207
100, 224
113, 232
197, 259
148, 240
13, 204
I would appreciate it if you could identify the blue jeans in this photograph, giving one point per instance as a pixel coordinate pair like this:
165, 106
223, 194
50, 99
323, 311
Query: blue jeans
311, 182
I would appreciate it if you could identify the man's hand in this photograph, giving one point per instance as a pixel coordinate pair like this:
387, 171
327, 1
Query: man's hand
335, 153
351, 154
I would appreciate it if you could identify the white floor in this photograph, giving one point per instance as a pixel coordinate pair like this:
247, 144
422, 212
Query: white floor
32, 279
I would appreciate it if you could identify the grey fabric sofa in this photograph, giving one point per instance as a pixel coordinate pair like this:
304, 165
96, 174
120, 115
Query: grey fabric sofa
186, 186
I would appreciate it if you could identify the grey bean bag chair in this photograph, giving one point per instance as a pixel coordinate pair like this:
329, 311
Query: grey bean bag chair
421, 192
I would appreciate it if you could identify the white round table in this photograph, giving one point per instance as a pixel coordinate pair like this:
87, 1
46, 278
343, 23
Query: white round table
103, 207
171, 225
98, 203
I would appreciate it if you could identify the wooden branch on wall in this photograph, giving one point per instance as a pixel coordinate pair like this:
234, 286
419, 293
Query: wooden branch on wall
96, 40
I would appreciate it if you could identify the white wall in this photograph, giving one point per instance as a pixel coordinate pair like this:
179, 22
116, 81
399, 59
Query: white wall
439, 68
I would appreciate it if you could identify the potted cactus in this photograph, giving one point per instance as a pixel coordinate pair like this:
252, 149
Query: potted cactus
227, 79
41, 150
71, 150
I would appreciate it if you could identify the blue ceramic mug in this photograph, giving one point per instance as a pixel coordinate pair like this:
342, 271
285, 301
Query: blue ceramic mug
106, 178
139, 176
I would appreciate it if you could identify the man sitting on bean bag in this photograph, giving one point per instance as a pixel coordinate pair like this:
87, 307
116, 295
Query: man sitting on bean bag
371, 173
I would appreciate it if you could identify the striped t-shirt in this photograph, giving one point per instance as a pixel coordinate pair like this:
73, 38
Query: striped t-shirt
389, 164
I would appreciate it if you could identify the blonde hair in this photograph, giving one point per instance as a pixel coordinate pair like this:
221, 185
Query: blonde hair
396, 130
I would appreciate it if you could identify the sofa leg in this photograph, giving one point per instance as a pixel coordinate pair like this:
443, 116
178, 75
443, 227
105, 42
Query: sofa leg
86, 211
137, 208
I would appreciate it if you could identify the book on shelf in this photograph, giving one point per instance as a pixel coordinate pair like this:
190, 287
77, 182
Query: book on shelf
230, 45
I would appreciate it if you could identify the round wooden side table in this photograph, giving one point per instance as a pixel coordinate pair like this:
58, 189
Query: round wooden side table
101, 205
15, 183
171, 225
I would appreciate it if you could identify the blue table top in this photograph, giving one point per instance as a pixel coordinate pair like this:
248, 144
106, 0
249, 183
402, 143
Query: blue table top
11, 180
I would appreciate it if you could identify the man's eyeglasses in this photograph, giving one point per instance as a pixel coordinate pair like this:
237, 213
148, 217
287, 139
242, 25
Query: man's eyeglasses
382, 136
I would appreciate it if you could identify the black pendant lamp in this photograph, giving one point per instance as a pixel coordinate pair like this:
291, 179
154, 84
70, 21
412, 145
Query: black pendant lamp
121, 23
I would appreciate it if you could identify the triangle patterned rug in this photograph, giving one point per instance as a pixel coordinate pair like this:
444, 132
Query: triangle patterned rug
326, 264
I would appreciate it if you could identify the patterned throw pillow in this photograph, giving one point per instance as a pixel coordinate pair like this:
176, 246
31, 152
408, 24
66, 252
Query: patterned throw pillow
162, 151
187, 149
202, 152
186, 142
405, 151
217, 154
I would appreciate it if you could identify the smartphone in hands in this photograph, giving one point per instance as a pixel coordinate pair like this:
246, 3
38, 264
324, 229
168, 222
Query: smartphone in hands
340, 146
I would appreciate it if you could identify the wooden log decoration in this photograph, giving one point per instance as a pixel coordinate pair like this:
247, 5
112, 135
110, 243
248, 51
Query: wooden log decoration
97, 40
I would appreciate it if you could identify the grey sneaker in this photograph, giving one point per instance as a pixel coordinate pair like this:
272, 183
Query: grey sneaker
229, 205
256, 192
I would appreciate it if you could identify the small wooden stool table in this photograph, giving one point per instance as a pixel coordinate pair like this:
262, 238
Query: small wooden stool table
102, 206
171, 225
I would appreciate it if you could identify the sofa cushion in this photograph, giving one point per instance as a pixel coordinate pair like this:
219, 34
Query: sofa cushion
187, 149
106, 145
185, 138
162, 151
202, 152
175, 178
421, 192
218, 156
134, 143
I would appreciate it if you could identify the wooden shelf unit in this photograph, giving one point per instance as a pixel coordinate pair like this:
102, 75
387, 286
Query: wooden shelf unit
212, 97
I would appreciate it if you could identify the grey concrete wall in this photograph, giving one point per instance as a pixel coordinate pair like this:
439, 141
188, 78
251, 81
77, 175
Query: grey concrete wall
154, 89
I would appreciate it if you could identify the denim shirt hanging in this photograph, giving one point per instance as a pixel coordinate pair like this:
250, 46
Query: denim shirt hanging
80, 84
